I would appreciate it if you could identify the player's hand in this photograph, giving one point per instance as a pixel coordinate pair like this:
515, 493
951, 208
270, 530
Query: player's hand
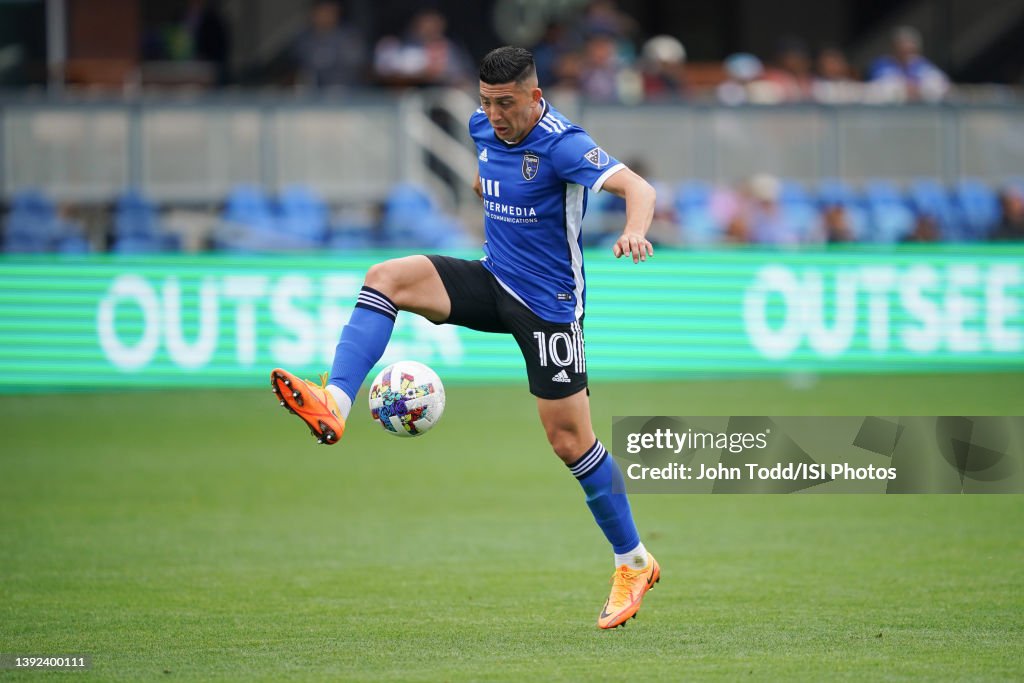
634, 245
478, 189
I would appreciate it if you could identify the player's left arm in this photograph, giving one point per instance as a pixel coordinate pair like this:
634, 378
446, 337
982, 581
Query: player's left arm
640, 198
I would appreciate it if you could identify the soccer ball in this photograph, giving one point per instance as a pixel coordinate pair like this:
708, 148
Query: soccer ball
407, 398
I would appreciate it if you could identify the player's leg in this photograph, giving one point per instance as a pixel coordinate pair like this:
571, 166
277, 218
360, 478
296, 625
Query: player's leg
556, 366
570, 432
404, 284
409, 284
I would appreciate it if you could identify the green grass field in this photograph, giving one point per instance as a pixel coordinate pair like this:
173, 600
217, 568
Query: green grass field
204, 536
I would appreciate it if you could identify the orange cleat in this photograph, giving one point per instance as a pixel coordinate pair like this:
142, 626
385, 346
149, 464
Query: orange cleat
628, 589
314, 404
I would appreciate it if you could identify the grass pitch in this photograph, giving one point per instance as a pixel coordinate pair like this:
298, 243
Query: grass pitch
204, 536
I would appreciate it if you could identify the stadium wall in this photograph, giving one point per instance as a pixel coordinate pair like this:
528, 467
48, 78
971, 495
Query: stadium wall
223, 321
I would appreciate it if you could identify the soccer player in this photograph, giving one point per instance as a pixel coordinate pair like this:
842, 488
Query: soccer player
535, 169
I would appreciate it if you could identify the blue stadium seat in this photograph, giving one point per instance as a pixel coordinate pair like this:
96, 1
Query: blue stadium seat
351, 237
73, 244
798, 210
135, 215
248, 222
803, 219
838, 192
832, 191
32, 225
692, 194
929, 198
697, 224
249, 205
137, 226
412, 218
979, 206
891, 218
303, 214
793, 193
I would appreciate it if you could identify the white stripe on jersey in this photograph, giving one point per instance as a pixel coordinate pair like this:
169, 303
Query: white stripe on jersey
599, 183
574, 195
543, 124
555, 123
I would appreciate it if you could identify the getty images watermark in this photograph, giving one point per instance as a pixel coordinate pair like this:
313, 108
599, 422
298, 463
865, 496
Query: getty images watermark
820, 454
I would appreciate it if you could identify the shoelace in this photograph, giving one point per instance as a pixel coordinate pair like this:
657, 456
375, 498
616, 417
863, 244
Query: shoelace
323, 381
328, 400
622, 584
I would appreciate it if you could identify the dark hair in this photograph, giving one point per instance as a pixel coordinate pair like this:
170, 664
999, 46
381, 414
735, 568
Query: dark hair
507, 64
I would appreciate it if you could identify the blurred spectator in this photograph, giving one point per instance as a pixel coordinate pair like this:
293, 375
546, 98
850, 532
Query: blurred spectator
209, 35
549, 53
192, 50
834, 81
742, 71
790, 73
602, 75
926, 229
425, 56
835, 224
605, 17
327, 53
662, 68
1010, 227
759, 218
906, 74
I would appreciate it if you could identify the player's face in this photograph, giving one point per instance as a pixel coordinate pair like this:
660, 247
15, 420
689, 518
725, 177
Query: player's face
512, 108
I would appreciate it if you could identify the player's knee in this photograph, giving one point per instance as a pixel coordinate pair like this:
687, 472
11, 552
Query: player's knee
383, 278
568, 444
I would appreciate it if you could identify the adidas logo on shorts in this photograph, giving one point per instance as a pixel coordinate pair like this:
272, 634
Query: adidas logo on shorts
561, 377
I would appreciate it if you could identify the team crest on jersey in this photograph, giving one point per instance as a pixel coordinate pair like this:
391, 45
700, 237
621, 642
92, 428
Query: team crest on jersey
531, 164
598, 157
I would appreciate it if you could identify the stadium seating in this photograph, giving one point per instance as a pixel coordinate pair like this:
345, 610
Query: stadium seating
137, 227
979, 207
412, 218
249, 224
878, 211
799, 210
33, 225
697, 223
303, 214
891, 218
929, 199
837, 192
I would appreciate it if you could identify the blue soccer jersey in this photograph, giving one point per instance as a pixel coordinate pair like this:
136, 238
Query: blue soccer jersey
534, 198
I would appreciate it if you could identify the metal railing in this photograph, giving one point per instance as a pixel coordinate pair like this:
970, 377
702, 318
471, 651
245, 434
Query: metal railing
194, 151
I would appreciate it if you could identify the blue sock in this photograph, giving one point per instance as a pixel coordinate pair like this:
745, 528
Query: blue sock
363, 340
606, 497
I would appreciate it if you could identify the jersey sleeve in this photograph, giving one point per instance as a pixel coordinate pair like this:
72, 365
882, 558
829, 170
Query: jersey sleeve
578, 159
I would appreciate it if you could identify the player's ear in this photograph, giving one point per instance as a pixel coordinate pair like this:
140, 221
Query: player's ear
535, 95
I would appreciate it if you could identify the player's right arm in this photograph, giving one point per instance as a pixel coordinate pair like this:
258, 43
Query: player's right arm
640, 198
477, 188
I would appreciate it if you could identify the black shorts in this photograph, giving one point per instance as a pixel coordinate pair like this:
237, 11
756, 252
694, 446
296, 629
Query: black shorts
556, 362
